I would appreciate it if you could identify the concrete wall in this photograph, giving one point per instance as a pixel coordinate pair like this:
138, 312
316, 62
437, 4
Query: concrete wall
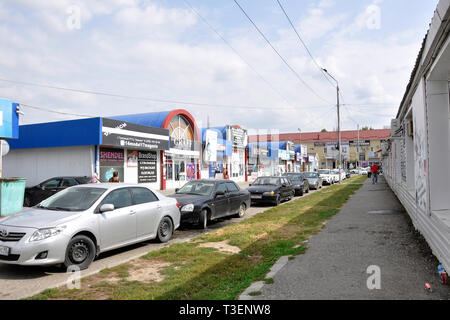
37, 165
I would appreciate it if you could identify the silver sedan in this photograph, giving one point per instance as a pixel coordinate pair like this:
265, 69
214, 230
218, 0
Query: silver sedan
75, 225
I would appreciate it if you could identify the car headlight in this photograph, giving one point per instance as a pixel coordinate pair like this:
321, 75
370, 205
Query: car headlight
188, 208
271, 193
42, 234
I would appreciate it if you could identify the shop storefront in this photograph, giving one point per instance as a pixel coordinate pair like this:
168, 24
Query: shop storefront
181, 162
87, 146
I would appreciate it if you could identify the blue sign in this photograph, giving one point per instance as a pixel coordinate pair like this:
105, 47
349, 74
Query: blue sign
9, 120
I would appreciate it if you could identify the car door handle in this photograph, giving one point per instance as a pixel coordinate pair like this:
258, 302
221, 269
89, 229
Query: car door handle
132, 212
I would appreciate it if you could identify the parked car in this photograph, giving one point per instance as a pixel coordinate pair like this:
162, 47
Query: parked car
326, 176
363, 171
336, 174
206, 200
75, 225
314, 180
347, 173
34, 195
301, 185
271, 189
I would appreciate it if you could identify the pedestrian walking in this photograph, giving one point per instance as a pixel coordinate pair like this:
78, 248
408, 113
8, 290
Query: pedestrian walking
225, 174
115, 177
375, 171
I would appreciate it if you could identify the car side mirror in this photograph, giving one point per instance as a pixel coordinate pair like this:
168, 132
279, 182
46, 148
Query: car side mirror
106, 208
177, 189
250, 184
220, 193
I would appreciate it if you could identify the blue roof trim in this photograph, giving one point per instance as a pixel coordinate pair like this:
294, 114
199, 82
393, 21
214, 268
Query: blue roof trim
152, 119
84, 132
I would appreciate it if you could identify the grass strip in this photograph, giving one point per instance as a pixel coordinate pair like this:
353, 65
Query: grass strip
195, 270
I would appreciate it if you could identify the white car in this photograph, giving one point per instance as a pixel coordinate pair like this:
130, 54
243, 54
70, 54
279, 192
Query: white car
326, 176
363, 172
75, 225
335, 173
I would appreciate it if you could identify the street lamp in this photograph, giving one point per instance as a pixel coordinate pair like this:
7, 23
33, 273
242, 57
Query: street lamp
339, 123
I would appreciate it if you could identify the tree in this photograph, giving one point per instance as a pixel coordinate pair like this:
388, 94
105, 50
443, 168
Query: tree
324, 130
366, 128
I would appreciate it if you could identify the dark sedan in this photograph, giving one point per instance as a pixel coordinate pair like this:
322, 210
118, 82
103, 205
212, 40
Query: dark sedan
42, 191
315, 181
206, 200
301, 185
271, 189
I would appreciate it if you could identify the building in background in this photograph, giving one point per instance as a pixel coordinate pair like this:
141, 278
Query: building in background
362, 152
416, 158
82, 147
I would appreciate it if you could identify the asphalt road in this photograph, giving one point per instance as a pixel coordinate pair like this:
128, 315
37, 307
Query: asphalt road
372, 229
17, 282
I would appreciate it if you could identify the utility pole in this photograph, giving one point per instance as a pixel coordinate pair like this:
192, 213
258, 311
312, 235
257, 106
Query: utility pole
339, 125
357, 149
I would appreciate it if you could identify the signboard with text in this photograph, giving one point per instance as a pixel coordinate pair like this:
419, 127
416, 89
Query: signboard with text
147, 167
129, 135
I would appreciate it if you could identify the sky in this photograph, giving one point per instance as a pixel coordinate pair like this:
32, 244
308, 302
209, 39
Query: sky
207, 57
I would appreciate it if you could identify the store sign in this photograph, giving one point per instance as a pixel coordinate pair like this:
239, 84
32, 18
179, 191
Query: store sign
259, 151
291, 155
238, 137
311, 159
111, 160
147, 167
284, 154
181, 144
304, 151
128, 135
299, 157
210, 153
319, 144
362, 143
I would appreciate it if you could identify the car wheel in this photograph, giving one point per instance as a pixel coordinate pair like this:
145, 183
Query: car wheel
80, 252
242, 209
165, 230
203, 221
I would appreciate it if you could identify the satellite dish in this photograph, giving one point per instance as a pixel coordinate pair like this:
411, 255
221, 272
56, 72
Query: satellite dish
5, 148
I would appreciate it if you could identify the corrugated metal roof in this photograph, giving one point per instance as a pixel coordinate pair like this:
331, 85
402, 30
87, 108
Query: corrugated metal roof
377, 134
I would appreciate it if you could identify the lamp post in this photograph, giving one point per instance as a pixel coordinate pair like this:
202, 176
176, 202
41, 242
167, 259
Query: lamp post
339, 124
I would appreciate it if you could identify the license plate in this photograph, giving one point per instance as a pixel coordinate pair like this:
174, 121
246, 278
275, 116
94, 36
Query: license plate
4, 251
257, 196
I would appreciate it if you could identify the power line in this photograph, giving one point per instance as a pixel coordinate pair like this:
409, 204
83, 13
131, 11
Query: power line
235, 51
303, 43
151, 99
279, 55
54, 111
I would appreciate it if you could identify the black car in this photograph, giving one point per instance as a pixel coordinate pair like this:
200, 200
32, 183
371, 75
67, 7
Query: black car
40, 192
301, 185
205, 200
271, 189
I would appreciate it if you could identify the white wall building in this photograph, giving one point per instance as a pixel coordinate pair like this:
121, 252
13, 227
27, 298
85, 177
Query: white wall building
417, 156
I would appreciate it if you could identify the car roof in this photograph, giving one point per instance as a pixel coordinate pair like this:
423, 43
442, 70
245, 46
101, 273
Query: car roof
111, 185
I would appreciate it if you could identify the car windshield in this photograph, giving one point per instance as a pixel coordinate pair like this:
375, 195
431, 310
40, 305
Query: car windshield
335, 171
310, 175
72, 199
293, 176
324, 171
267, 181
197, 187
